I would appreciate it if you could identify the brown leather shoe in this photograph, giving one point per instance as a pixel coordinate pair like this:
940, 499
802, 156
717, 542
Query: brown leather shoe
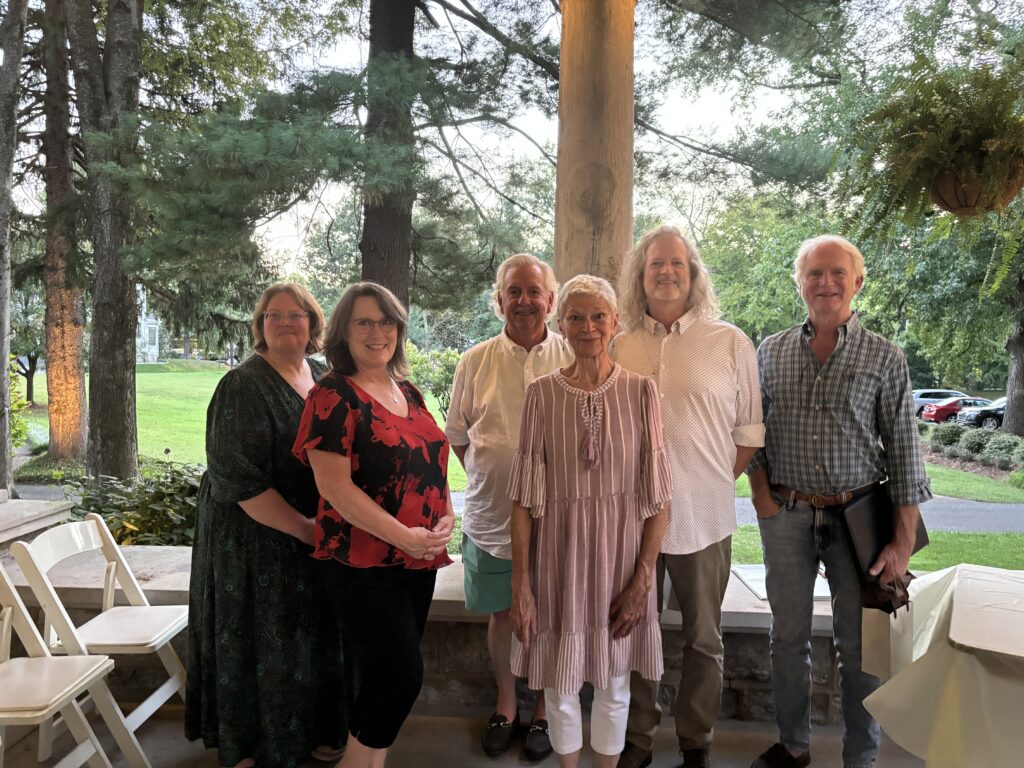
634, 757
697, 758
777, 756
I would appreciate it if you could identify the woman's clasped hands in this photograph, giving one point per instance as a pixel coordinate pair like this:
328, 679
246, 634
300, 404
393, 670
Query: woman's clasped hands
428, 543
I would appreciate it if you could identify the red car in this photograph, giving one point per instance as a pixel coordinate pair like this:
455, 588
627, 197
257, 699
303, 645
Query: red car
946, 410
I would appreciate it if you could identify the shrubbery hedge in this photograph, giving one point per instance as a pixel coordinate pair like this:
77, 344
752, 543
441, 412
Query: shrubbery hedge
973, 441
1000, 450
158, 508
943, 435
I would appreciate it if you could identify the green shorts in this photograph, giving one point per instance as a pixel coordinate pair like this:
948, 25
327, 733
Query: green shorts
488, 579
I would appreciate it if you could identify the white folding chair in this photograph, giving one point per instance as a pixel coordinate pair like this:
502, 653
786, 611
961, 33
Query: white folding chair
135, 628
34, 689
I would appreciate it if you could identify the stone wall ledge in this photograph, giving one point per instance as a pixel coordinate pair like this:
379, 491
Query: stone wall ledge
24, 518
457, 670
164, 573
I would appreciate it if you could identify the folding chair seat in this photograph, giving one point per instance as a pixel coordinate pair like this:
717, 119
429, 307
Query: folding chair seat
35, 689
136, 628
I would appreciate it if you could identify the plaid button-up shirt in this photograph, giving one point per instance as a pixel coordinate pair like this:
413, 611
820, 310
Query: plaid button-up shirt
841, 425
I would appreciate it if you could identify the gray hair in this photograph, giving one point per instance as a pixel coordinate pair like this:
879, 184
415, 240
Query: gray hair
702, 300
587, 285
513, 262
810, 244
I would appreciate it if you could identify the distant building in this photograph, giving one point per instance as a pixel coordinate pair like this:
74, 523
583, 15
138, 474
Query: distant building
147, 338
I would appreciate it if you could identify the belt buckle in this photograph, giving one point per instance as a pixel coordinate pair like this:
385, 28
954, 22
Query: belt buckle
818, 501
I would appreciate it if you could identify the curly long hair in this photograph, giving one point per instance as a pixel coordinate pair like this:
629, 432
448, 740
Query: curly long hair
632, 299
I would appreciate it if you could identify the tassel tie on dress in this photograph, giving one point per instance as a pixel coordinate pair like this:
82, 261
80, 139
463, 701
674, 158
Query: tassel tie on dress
592, 412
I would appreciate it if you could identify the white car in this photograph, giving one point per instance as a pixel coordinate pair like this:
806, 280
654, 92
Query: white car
924, 396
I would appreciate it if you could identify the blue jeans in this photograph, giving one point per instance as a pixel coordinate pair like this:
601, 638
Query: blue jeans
794, 541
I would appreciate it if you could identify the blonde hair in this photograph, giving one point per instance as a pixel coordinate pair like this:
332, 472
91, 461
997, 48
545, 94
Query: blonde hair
811, 243
521, 260
336, 350
587, 285
305, 300
702, 300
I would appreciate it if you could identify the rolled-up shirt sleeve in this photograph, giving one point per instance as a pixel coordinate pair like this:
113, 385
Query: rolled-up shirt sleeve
760, 457
897, 427
456, 427
749, 427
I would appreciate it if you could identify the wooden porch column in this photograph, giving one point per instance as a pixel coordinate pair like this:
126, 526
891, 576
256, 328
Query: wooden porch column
594, 182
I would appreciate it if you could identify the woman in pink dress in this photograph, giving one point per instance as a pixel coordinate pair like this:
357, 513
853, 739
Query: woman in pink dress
590, 486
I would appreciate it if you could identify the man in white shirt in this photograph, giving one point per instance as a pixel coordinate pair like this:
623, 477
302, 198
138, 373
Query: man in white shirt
706, 372
483, 429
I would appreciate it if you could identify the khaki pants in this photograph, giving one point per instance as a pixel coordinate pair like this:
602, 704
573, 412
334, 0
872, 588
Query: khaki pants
698, 583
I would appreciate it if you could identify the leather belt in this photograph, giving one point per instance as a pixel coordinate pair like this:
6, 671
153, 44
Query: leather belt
819, 500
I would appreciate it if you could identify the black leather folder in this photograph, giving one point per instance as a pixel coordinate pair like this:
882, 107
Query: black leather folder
870, 521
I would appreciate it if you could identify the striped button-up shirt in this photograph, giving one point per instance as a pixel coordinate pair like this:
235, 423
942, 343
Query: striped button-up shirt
706, 374
841, 425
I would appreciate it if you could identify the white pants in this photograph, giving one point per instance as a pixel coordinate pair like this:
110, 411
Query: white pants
608, 718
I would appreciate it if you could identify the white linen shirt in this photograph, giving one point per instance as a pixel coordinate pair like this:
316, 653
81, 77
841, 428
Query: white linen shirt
485, 413
706, 372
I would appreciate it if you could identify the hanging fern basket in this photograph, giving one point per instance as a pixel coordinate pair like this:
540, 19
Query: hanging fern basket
961, 195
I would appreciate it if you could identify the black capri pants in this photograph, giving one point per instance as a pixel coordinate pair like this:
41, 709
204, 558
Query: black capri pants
383, 612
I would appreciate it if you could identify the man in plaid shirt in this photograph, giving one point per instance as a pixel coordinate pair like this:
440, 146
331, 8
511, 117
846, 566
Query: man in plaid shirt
839, 418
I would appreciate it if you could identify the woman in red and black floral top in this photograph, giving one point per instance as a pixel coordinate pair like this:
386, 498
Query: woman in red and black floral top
385, 515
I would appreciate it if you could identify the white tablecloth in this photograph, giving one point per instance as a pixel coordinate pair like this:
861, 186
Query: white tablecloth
955, 663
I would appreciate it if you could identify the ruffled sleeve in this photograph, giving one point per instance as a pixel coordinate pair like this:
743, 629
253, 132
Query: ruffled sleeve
655, 475
527, 484
328, 420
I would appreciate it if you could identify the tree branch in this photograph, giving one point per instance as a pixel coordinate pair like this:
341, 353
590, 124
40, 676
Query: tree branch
497, 120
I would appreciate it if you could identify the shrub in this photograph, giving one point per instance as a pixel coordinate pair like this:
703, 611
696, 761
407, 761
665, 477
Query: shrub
1018, 455
158, 508
1016, 479
955, 452
1000, 450
943, 435
973, 441
922, 427
18, 406
434, 371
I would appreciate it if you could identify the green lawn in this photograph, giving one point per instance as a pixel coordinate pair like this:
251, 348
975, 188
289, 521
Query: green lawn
171, 404
1001, 550
965, 485
172, 400
948, 482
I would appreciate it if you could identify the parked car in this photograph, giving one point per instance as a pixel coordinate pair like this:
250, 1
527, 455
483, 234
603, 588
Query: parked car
924, 396
947, 410
987, 416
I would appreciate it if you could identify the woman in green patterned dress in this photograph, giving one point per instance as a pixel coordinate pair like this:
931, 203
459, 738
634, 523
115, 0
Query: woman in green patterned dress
265, 678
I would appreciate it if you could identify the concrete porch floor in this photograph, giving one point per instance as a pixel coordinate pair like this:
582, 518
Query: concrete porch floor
453, 742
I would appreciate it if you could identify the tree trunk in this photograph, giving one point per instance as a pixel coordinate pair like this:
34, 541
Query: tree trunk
30, 378
1013, 421
65, 305
386, 244
12, 41
107, 82
594, 184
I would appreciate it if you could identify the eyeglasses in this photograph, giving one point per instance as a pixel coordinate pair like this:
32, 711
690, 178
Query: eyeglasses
366, 325
275, 317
